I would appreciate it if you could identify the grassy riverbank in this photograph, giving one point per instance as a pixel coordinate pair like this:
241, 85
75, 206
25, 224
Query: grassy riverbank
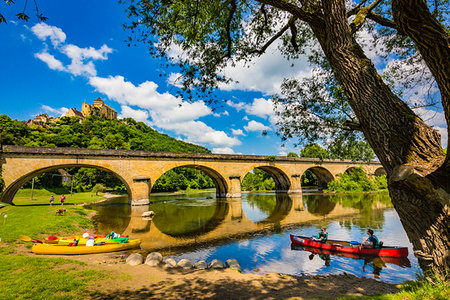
37, 219
26, 276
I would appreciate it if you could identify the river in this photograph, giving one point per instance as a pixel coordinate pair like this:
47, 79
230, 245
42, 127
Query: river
255, 230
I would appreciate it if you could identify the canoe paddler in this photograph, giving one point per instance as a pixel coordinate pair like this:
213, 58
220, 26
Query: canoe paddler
322, 236
371, 241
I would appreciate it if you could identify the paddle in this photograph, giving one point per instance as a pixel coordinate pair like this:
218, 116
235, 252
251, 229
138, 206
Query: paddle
28, 239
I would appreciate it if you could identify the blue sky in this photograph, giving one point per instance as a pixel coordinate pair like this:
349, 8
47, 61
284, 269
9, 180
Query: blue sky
79, 54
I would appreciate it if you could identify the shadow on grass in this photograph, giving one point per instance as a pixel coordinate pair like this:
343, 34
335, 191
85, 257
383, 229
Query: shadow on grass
272, 287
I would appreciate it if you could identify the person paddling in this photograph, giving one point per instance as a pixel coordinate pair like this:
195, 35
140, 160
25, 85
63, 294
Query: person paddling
322, 236
371, 241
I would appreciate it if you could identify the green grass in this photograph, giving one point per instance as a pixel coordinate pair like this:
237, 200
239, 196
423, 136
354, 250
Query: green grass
418, 290
42, 196
41, 221
27, 277
37, 219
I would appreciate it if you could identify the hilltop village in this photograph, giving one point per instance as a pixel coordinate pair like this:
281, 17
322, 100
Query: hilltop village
98, 108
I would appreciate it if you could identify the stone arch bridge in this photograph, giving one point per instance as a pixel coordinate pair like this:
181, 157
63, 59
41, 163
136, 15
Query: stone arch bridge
139, 170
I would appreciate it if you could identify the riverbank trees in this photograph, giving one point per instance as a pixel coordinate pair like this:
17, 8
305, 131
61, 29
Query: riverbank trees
213, 34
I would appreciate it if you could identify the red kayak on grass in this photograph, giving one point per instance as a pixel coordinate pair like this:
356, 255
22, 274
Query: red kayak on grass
348, 247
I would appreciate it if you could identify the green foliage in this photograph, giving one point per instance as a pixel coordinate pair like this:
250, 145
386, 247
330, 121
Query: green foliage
94, 132
182, 179
98, 133
292, 154
355, 180
314, 150
271, 158
98, 188
309, 179
257, 181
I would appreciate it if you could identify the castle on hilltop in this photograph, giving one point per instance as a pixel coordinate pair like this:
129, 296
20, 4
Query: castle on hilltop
99, 108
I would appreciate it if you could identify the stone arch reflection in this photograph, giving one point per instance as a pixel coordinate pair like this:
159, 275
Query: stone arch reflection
189, 218
320, 205
323, 176
282, 208
267, 208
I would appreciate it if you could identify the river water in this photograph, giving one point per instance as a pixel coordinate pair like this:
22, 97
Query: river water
255, 230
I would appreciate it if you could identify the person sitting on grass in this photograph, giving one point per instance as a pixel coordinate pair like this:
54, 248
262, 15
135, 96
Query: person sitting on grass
371, 241
322, 236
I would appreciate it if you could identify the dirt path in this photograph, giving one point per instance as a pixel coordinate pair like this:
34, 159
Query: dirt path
142, 281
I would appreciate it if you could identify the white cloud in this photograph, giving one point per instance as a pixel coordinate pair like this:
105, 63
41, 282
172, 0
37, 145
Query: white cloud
260, 107
136, 114
256, 126
50, 60
43, 31
225, 150
175, 79
245, 118
165, 110
58, 112
265, 73
81, 58
237, 132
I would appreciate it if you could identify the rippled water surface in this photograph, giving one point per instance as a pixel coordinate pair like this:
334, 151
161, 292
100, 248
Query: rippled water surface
255, 230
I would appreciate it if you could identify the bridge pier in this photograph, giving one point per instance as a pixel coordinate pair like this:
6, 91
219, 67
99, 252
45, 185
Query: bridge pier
140, 191
296, 184
234, 187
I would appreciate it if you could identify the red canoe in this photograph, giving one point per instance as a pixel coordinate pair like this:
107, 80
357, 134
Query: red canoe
346, 247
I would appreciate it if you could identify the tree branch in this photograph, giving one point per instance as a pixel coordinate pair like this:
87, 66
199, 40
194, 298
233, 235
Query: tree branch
275, 37
230, 18
381, 20
361, 15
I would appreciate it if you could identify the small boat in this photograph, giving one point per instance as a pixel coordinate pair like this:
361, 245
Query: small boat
399, 261
83, 249
348, 247
66, 240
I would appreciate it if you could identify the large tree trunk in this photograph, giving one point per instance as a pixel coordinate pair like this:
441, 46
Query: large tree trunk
414, 19
408, 148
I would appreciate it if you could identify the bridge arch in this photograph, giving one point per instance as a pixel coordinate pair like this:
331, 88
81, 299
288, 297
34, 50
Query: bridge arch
380, 171
11, 189
324, 176
219, 181
281, 179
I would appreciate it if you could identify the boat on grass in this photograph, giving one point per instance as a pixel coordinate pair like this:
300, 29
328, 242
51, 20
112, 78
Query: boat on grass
83, 249
350, 247
66, 240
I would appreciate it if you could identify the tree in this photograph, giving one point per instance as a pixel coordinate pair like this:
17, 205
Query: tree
315, 151
212, 34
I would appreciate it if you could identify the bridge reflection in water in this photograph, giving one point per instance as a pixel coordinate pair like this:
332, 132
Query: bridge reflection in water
205, 220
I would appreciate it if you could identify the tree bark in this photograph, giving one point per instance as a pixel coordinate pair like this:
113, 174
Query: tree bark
413, 18
408, 148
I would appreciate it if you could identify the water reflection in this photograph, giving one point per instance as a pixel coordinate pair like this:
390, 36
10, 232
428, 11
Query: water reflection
189, 218
374, 264
255, 229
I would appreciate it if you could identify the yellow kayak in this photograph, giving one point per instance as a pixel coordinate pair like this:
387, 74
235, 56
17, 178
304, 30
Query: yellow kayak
83, 249
82, 241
